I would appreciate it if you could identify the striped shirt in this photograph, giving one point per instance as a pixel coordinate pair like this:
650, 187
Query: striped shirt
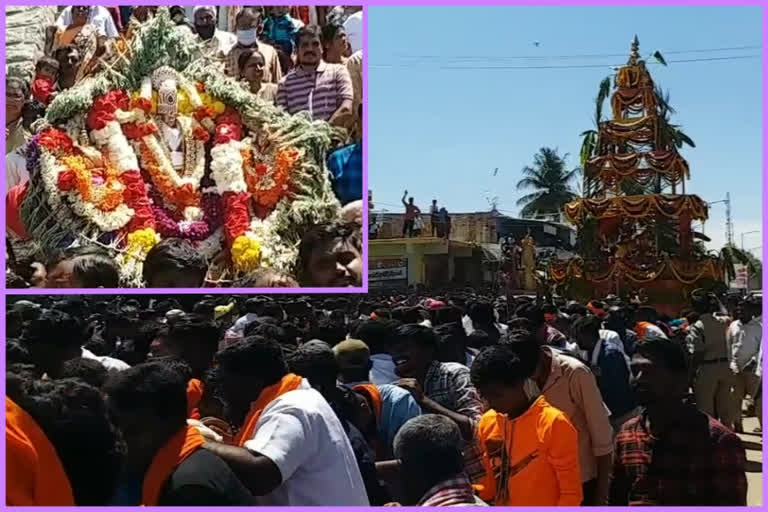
449, 385
320, 92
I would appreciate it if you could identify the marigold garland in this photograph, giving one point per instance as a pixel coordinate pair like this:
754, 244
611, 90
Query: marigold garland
246, 254
140, 242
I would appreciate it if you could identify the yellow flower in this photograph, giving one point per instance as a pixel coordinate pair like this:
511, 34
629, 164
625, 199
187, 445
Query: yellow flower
154, 102
141, 241
219, 107
246, 253
185, 106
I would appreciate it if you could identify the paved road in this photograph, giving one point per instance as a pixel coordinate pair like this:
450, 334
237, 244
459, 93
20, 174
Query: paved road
754, 446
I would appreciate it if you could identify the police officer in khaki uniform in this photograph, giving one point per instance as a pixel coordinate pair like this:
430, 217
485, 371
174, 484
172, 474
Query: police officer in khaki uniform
714, 379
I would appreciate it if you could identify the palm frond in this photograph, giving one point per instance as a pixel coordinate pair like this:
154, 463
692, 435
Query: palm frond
527, 183
602, 94
529, 198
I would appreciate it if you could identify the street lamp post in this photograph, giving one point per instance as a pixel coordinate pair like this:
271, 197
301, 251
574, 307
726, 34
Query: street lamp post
747, 233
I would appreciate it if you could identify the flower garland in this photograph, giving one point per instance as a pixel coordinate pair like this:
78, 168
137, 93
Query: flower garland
106, 196
119, 124
268, 188
180, 191
170, 226
227, 173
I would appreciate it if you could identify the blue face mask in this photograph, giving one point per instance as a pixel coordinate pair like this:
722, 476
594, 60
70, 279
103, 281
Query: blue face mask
247, 37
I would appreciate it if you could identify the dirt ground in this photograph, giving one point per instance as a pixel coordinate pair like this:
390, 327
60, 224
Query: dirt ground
754, 446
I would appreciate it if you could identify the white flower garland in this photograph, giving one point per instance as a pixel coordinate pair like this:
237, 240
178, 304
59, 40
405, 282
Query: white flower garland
119, 152
165, 166
106, 221
227, 167
264, 232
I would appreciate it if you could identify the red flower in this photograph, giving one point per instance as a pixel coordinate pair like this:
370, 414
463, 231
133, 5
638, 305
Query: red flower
66, 181
135, 195
226, 132
54, 139
230, 116
203, 111
201, 133
104, 107
138, 130
236, 213
144, 104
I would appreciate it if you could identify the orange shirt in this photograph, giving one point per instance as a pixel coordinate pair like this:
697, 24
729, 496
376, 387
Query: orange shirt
536, 456
36, 475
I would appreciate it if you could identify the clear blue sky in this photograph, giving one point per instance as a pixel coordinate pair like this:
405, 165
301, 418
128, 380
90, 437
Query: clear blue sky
441, 132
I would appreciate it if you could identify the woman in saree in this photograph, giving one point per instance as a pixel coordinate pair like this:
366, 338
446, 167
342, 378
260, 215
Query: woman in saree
83, 36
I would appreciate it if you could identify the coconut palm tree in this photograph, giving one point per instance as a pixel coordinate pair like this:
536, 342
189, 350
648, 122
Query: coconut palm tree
550, 181
730, 255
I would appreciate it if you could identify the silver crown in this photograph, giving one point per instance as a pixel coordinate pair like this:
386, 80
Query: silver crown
163, 75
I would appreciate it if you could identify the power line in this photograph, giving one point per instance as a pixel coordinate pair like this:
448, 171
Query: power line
574, 56
566, 66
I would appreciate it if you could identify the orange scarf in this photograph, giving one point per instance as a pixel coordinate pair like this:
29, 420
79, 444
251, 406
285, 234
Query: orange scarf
640, 329
289, 382
36, 476
371, 393
183, 444
194, 395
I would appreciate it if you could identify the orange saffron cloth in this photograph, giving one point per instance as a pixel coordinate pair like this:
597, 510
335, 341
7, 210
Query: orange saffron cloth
183, 444
640, 329
194, 395
542, 450
371, 392
289, 382
35, 475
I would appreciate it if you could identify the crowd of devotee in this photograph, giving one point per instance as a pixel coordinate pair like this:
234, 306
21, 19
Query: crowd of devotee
303, 61
449, 398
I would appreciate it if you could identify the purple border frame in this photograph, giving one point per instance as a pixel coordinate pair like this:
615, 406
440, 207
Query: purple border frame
207, 291
215, 291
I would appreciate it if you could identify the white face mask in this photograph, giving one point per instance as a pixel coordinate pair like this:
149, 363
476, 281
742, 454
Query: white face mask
247, 37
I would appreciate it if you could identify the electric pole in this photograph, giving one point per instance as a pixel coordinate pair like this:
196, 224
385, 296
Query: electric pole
728, 220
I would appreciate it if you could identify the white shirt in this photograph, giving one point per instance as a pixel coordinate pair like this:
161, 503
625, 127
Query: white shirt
383, 370
110, 363
15, 169
302, 435
354, 30
747, 343
99, 18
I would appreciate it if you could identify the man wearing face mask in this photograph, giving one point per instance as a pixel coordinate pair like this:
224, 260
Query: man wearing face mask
217, 42
247, 25
324, 90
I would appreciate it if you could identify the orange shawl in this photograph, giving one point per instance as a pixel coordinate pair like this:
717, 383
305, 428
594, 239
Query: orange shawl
183, 444
289, 382
640, 329
194, 395
35, 474
371, 393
